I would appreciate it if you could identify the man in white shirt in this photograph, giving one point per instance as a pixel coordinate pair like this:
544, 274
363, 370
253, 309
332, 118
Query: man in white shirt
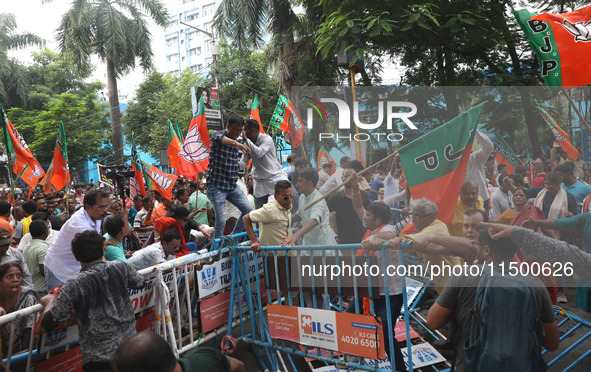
162, 251
316, 228
324, 174
60, 264
3, 168
501, 199
266, 169
336, 178
478, 159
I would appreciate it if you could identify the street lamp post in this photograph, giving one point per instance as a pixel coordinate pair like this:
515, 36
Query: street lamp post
214, 51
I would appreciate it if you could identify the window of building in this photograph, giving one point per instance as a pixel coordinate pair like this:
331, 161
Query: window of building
196, 51
171, 41
208, 10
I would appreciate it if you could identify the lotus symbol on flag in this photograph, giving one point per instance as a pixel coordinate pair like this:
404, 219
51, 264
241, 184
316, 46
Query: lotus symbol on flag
162, 181
581, 32
194, 149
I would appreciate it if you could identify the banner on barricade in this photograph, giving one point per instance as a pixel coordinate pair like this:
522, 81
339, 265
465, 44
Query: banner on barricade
413, 288
144, 297
218, 275
58, 337
70, 361
355, 334
215, 310
385, 364
325, 353
422, 355
145, 323
400, 332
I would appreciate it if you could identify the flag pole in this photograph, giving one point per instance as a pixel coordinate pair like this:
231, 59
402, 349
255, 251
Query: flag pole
362, 172
576, 110
357, 144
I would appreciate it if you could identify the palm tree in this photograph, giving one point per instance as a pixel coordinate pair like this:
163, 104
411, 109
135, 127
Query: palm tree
13, 84
115, 30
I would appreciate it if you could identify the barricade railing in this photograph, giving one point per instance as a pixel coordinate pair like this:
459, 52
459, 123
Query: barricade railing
278, 278
176, 275
578, 324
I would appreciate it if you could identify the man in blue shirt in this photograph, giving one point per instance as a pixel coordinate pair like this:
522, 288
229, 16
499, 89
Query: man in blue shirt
575, 187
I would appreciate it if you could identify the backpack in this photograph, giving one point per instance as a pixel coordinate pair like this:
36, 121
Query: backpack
506, 328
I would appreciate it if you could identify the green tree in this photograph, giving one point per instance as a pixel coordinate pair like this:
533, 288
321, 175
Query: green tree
13, 83
115, 30
51, 74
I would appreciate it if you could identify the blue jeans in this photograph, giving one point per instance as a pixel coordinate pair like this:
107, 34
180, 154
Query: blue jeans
51, 280
379, 306
218, 199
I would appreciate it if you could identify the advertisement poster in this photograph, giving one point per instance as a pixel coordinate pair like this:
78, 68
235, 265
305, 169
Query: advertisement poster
211, 100
354, 334
422, 355
144, 297
58, 337
218, 275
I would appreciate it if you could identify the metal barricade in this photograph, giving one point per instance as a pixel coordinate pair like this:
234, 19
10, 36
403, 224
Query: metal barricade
582, 326
288, 293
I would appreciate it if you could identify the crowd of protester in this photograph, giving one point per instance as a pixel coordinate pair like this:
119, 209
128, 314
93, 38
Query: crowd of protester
91, 243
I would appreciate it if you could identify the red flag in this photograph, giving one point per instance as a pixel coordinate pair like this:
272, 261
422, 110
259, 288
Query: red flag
24, 155
162, 182
194, 155
45, 181
297, 129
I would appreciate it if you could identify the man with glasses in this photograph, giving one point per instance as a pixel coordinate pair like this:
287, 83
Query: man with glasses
424, 217
222, 173
274, 219
164, 250
60, 264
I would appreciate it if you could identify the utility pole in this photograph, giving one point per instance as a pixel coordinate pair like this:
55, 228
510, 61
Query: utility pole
215, 50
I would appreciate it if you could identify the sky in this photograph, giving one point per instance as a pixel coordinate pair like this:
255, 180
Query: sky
43, 19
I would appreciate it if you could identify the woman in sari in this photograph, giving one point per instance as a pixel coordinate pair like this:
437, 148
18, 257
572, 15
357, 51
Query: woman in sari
14, 297
516, 216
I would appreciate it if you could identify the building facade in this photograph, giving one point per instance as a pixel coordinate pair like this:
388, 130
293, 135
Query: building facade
187, 47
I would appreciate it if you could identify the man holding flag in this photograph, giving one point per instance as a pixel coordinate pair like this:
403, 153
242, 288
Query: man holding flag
266, 170
222, 173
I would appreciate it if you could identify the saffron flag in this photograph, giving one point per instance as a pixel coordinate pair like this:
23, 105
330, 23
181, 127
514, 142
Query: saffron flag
136, 165
255, 114
194, 155
24, 155
162, 182
46, 180
297, 129
31, 176
562, 44
60, 174
561, 137
280, 118
323, 158
435, 163
505, 155
174, 146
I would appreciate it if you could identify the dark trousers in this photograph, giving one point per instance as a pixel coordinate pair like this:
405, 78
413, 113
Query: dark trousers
97, 367
4, 175
379, 306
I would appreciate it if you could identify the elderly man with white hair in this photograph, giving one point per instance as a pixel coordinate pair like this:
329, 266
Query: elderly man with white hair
424, 217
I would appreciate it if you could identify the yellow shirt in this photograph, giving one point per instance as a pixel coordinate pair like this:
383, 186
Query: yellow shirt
443, 263
455, 229
274, 223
